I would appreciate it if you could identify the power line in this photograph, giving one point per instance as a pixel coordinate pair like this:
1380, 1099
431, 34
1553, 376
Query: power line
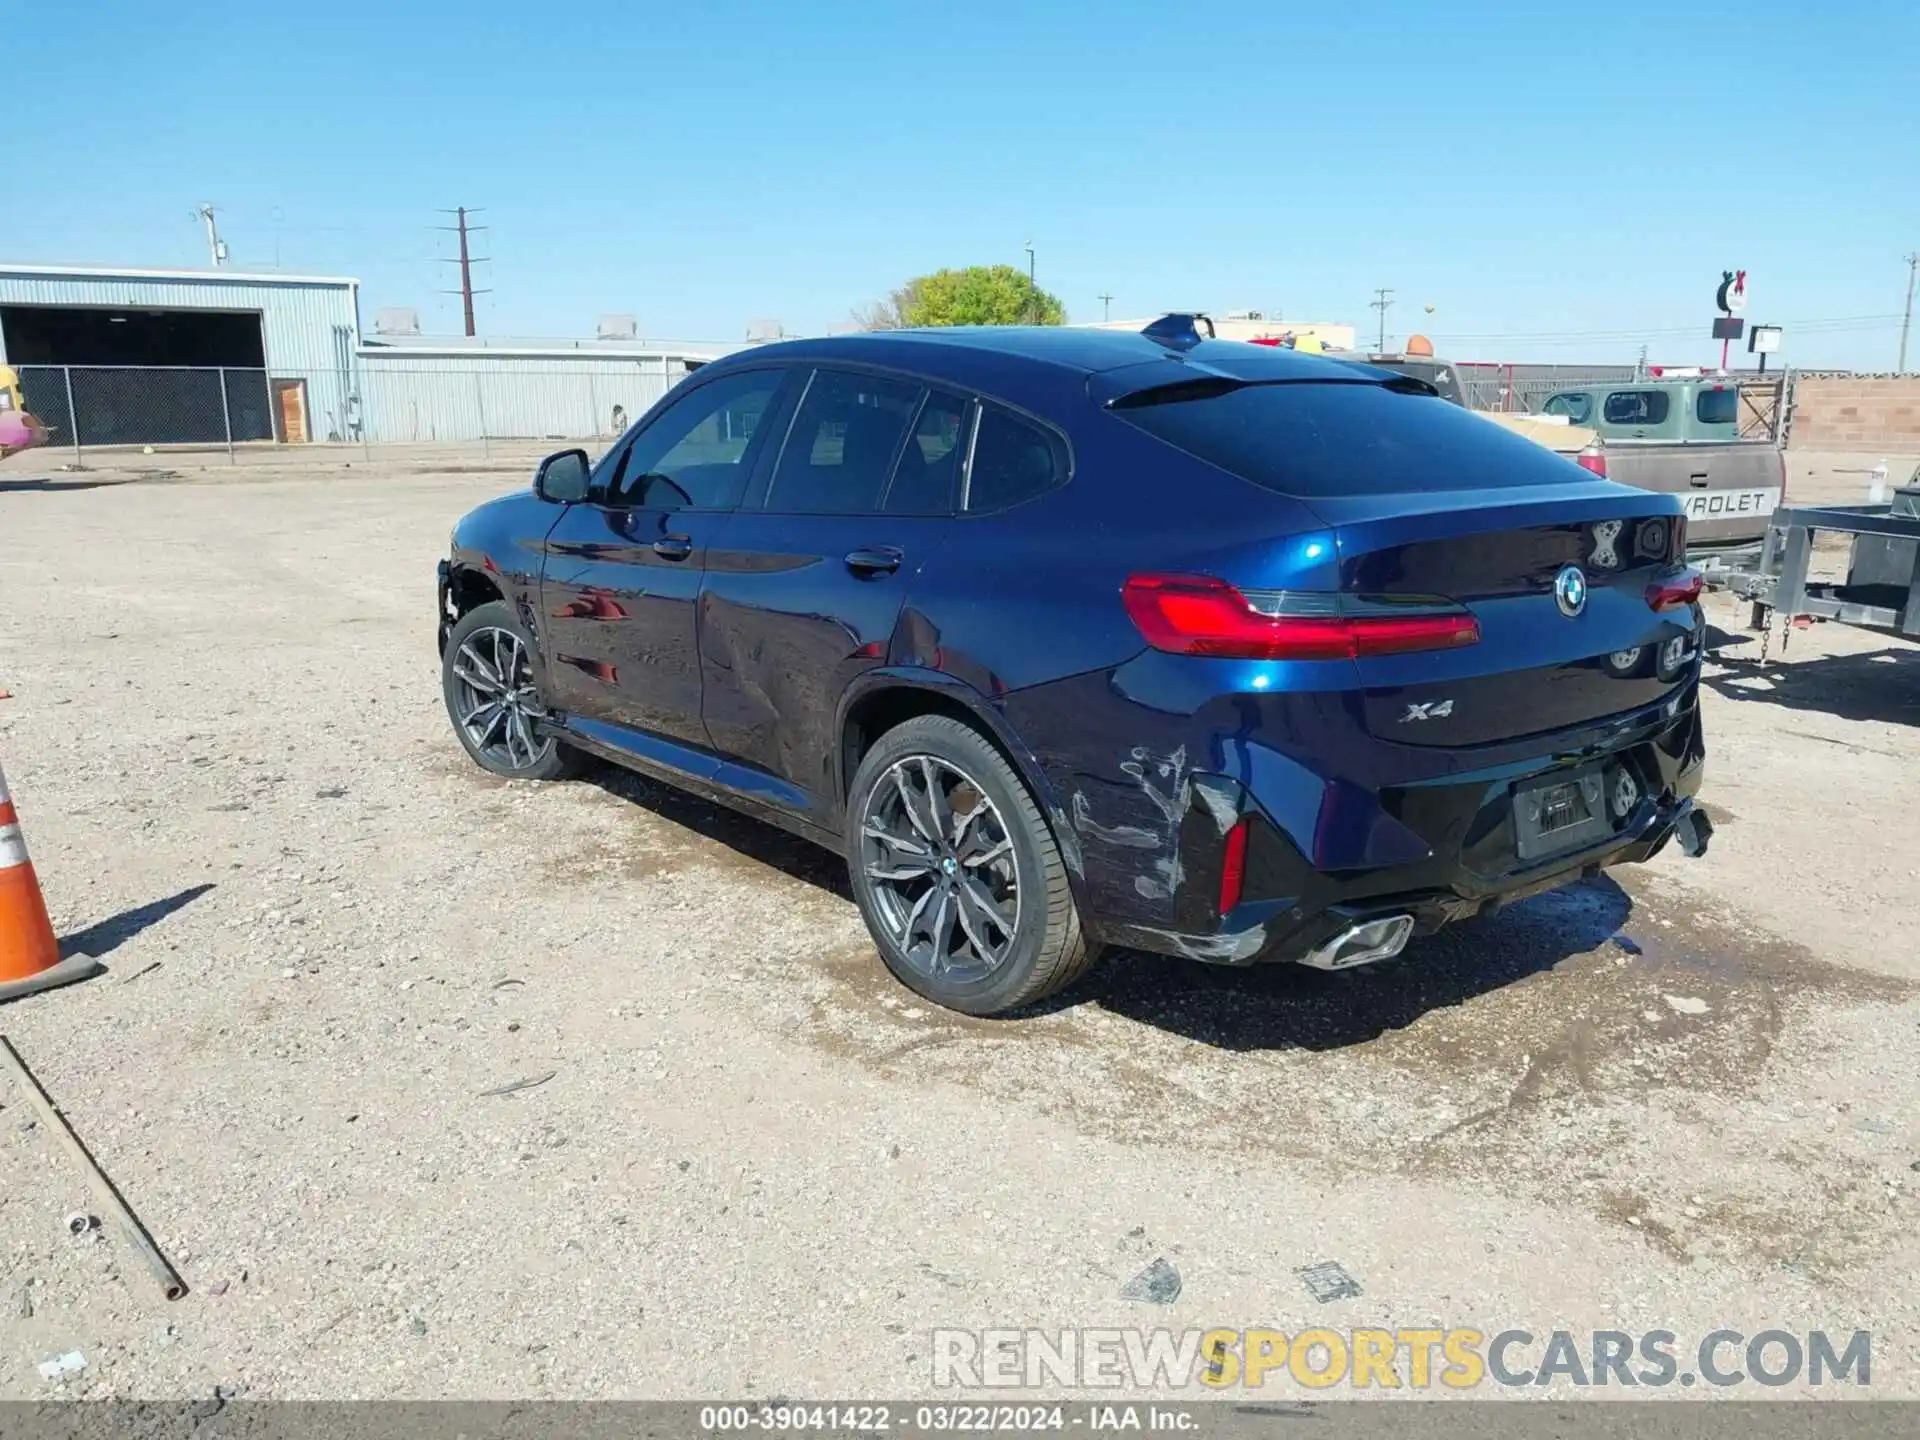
466, 262
1824, 325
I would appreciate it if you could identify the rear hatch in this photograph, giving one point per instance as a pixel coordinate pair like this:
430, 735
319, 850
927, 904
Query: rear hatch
1567, 577
1552, 652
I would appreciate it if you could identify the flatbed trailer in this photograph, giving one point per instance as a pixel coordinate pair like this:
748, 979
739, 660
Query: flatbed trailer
1882, 586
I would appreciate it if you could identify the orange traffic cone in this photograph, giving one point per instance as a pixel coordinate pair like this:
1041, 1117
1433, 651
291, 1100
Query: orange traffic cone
29, 954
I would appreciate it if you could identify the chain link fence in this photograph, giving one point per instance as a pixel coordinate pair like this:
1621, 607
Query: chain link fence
406, 400
375, 402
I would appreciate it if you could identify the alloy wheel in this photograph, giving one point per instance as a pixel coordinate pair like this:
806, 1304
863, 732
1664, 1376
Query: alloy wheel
498, 710
938, 858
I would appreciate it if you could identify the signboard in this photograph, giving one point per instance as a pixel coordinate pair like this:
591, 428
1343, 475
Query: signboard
1764, 339
1728, 327
1731, 297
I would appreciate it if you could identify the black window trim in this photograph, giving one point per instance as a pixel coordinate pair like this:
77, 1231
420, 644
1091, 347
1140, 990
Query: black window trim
755, 496
597, 483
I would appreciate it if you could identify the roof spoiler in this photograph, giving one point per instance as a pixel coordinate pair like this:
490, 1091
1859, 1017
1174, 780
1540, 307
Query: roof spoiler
1180, 329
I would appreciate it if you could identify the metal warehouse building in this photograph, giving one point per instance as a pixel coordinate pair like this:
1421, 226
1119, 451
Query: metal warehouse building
111, 356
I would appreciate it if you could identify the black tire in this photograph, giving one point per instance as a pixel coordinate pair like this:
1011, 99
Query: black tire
1043, 951
518, 751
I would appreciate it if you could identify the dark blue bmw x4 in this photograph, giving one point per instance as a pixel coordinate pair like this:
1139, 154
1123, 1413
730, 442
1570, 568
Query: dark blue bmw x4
1080, 638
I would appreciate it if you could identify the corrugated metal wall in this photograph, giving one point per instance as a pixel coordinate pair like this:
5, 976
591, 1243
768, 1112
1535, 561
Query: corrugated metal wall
310, 327
410, 396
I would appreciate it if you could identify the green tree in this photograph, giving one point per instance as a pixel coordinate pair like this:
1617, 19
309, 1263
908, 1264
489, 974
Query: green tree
977, 295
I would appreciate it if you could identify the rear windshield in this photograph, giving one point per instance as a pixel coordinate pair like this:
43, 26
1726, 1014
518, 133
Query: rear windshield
1716, 407
1332, 438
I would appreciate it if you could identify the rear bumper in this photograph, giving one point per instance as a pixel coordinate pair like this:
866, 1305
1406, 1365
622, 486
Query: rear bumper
443, 608
1446, 850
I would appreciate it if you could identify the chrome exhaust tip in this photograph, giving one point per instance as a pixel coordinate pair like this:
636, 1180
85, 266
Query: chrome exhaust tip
1362, 943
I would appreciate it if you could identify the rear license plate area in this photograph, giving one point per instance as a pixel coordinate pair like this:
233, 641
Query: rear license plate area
1568, 812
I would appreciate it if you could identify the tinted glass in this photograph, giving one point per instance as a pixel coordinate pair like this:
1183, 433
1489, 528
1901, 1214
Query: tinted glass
842, 444
1636, 407
1329, 438
923, 478
1013, 460
692, 456
1716, 407
1575, 407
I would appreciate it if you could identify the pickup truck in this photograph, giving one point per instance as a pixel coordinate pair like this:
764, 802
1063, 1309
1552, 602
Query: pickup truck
1555, 432
1682, 437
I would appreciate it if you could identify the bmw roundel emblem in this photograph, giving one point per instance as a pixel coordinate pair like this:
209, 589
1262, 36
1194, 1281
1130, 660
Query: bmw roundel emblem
1570, 590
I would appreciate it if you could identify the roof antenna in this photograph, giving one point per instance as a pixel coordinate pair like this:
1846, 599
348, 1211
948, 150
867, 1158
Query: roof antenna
1180, 329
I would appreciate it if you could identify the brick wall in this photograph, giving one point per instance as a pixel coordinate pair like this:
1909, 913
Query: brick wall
1846, 412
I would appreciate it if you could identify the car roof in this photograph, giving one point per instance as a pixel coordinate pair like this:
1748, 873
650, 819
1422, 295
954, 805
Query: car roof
958, 350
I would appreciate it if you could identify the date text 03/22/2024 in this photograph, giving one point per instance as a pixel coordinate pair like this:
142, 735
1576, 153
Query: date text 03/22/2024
1100, 1417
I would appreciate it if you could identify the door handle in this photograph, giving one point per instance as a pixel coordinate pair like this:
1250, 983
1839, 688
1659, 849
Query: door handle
880, 560
673, 547
1698, 477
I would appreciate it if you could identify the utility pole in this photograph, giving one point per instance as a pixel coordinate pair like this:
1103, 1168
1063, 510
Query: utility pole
466, 262
215, 245
1033, 290
1906, 323
1382, 301
1106, 307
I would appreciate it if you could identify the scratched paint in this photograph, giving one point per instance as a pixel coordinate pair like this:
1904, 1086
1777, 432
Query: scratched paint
1164, 780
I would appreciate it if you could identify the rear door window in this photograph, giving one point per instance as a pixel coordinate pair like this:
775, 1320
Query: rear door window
1716, 407
843, 443
1636, 407
1013, 460
927, 472
1334, 438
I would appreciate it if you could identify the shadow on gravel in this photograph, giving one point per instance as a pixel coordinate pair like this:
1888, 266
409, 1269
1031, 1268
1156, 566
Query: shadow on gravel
736, 834
116, 930
1881, 685
1274, 1007
9, 487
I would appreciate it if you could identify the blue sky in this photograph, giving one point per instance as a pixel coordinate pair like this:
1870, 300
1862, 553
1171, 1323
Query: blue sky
1558, 182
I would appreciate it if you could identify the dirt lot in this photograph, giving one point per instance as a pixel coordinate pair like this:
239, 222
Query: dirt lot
758, 1166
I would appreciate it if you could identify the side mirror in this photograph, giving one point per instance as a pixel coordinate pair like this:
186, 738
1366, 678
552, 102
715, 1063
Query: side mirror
563, 479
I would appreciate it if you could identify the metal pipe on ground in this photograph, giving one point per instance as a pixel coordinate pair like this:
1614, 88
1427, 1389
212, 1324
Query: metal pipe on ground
110, 1199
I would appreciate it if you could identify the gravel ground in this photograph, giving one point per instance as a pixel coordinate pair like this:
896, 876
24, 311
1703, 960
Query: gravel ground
753, 1164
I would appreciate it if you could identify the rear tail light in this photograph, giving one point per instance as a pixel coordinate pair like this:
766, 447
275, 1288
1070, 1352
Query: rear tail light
1233, 867
1682, 590
1201, 615
1593, 458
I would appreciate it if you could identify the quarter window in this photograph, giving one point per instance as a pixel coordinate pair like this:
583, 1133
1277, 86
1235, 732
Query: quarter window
843, 443
1636, 407
693, 456
1013, 460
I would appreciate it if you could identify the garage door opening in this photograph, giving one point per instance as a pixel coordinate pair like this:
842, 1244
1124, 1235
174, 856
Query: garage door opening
139, 376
